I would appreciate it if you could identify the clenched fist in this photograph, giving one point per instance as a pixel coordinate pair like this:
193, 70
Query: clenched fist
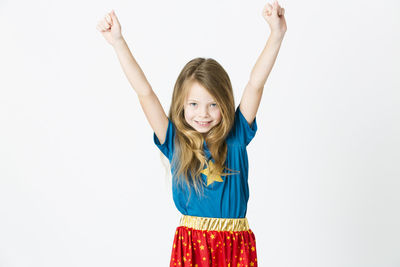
110, 28
275, 16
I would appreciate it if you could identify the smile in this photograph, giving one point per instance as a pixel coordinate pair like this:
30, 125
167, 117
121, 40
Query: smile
203, 123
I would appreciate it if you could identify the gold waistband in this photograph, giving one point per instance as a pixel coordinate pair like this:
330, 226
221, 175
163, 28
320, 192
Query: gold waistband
214, 224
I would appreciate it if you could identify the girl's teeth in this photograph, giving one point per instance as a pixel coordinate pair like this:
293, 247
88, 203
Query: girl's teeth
203, 124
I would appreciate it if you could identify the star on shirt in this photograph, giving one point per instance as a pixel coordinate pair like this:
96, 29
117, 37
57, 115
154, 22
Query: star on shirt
216, 177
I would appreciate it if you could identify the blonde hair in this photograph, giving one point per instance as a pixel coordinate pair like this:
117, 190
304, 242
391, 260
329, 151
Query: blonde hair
189, 158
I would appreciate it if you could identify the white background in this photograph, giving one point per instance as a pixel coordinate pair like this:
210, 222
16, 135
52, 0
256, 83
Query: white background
82, 183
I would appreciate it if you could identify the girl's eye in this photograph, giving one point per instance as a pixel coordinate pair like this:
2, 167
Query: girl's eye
214, 105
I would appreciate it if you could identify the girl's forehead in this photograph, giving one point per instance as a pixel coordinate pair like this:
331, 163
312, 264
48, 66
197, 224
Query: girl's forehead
199, 93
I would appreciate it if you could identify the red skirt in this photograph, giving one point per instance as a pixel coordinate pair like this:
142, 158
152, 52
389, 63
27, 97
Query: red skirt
219, 242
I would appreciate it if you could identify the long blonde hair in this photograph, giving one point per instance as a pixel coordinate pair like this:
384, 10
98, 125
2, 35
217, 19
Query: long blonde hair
189, 158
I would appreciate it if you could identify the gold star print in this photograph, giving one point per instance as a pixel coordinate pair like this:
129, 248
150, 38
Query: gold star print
216, 176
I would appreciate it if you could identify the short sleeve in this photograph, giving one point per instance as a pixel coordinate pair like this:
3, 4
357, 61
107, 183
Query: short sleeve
243, 132
167, 148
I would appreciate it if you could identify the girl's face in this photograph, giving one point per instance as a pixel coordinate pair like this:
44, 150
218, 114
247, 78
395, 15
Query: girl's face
200, 110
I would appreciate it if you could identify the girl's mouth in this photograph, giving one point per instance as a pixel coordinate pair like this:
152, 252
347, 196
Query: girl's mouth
203, 123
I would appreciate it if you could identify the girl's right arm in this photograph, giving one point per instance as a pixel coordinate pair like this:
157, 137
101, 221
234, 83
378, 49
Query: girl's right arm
152, 108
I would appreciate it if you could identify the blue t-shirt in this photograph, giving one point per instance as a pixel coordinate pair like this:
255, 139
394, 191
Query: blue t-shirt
225, 196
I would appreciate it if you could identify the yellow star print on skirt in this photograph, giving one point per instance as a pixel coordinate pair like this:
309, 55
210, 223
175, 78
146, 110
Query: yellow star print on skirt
219, 242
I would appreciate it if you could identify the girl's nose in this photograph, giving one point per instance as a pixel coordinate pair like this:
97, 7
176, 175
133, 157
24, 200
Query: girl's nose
204, 112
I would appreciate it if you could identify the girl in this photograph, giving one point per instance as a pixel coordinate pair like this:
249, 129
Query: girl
205, 138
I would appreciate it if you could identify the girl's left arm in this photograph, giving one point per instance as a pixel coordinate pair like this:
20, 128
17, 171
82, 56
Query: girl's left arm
253, 91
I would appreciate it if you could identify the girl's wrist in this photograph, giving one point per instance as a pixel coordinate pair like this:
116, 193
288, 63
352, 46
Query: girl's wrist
277, 34
118, 41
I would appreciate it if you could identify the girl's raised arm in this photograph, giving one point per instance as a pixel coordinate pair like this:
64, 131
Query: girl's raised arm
252, 94
152, 108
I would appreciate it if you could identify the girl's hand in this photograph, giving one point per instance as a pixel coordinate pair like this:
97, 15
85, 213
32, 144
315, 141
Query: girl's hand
274, 15
110, 28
